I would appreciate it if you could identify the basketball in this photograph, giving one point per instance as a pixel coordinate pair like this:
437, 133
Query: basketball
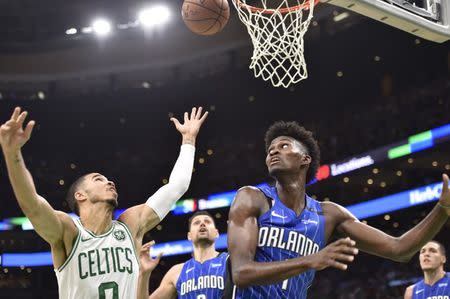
205, 17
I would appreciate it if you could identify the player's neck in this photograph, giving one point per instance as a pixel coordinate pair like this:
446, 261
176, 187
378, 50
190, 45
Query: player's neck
434, 275
96, 219
291, 192
204, 253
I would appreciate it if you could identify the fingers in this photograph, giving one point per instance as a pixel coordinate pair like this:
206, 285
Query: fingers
445, 182
344, 257
345, 241
193, 112
15, 114
146, 247
29, 129
21, 118
203, 117
175, 121
338, 265
148, 244
343, 252
199, 113
196, 114
158, 257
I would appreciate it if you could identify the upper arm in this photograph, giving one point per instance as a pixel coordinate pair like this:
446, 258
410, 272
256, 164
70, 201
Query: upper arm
140, 219
409, 292
367, 238
243, 226
47, 222
167, 288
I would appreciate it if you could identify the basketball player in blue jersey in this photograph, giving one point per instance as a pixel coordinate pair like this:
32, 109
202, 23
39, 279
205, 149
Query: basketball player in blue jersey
436, 282
94, 254
204, 276
277, 236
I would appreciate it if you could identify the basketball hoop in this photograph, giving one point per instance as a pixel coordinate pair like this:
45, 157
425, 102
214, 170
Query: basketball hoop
277, 37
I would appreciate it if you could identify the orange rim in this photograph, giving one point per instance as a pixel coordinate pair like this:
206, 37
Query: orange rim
269, 11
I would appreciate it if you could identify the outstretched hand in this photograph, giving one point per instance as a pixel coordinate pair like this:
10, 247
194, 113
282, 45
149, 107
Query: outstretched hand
191, 126
337, 255
147, 263
12, 134
444, 200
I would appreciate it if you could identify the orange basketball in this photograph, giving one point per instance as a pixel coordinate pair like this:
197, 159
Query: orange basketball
205, 17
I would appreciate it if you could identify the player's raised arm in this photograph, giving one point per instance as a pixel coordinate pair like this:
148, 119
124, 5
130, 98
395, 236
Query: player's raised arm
167, 289
243, 239
401, 248
144, 217
12, 138
146, 265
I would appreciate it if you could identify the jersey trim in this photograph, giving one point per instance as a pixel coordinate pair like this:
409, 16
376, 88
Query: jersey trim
72, 252
94, 235
131, 238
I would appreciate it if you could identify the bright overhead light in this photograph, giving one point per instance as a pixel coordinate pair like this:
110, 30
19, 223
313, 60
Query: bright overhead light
87, 30
41, 95
71, 31
101, 27
155, 15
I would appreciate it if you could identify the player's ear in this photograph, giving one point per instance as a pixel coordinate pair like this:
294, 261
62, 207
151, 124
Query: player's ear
80, 196
189, 236
306, 159
216, 232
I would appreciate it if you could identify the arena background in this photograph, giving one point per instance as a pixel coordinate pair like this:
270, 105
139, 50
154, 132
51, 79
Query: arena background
103, 104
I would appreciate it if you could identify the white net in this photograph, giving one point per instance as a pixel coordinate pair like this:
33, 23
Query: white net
277, 37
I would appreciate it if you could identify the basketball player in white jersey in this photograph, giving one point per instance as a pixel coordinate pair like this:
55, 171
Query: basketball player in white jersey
94, 256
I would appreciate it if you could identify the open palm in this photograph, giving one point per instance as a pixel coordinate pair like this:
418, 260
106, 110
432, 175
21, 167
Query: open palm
12, 134
147, 263
192, 123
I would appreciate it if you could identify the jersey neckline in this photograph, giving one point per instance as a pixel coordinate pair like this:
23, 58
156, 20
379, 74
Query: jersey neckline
94, 235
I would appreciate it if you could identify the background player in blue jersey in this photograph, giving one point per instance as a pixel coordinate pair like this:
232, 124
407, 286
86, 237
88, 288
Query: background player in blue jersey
436, 282
277, 236
204, 276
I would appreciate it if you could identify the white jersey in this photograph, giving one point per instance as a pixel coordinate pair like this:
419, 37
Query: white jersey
103, 266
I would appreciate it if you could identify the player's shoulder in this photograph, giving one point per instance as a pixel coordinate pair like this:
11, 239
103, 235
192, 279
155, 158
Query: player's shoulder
66, 220
175, 271
330, 208
249, 193
249, 197
409, 292
249, 190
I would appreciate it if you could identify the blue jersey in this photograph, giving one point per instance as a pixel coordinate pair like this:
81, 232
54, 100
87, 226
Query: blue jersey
284, 235
439, 290
205, 280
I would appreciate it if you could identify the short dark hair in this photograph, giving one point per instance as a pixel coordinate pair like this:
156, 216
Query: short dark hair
199, 213
441, 247
294, 130
70, 197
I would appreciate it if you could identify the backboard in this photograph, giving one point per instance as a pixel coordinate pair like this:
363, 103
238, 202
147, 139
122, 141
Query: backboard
428, 19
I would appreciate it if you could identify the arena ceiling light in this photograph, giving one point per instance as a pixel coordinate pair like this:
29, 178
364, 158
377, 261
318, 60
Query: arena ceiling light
71, 31
101, 27
155, 15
